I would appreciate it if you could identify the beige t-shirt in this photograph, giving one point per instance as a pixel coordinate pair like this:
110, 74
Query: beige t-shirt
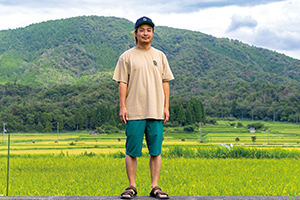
143, 71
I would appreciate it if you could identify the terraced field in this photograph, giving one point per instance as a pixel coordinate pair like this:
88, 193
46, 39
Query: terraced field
279, 135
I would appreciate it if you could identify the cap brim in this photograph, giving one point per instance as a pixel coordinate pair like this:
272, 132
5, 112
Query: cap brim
145, 22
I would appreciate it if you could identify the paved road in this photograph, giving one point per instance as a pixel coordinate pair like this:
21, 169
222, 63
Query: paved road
150, 198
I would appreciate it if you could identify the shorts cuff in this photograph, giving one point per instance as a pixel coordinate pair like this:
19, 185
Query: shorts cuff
155, 154
134, 156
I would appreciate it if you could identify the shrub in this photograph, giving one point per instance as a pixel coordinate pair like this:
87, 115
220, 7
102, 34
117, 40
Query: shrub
210, 120
171, 124
228, 118
107, 128
239, 125
189, 129
257, 125
232, 124
253, 138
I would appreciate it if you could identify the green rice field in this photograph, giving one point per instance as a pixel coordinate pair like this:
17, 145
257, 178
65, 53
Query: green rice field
279, 135
105, 176
80, 164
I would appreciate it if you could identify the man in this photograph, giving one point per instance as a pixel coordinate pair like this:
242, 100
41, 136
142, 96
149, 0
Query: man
143, 73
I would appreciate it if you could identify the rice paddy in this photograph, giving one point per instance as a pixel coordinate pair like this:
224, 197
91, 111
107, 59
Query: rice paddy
80, 164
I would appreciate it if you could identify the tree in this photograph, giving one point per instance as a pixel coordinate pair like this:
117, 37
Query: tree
237, 139
39, 128
233, 108
48, 122
78, 119
195, 107
188, 117
253, 138
181, 115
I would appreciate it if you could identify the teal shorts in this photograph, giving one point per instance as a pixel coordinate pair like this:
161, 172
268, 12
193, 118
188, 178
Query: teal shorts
135, 130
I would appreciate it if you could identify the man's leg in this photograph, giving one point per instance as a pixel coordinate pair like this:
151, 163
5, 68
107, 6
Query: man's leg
131, 163
134, 142
154, 137
155, 166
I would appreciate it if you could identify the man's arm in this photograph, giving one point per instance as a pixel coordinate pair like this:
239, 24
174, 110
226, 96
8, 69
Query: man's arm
166, 89
122, 96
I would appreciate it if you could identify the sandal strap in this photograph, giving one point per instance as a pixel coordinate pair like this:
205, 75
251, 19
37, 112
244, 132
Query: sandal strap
130, 191
127, 192
132, 188
160, 192
157, 191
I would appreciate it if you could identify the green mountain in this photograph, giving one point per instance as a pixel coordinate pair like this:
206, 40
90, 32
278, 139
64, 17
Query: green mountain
61, 72
84, 50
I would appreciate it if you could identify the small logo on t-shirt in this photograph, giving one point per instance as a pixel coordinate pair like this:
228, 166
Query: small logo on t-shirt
155, 63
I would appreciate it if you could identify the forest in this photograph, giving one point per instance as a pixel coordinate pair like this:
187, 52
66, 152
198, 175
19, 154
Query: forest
69, 108
58, 75
81, 107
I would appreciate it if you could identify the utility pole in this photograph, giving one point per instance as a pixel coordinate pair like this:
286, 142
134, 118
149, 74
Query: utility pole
268, 134
57, 130
8, 152
200, 131
4, 131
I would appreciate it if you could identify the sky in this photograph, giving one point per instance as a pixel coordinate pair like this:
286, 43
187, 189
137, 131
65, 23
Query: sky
271, 24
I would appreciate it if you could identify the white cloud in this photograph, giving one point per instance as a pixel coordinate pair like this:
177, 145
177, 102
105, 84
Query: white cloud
272, 24
238, 22
278, 27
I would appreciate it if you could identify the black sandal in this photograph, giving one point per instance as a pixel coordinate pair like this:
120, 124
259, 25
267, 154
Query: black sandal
157, 193
131, 191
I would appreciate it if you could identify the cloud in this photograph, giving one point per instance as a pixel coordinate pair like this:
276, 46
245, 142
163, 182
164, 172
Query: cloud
156, 6
276, 26
238, 22
285, 40
272, 24
34, 3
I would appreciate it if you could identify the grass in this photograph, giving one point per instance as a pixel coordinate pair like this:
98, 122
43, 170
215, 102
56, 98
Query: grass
281, 135
234, 152
94, 165
105, 176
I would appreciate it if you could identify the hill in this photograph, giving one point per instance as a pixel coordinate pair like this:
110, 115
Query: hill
84, 50
61, 72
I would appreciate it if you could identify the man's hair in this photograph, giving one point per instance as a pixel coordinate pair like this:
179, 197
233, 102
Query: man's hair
135, 33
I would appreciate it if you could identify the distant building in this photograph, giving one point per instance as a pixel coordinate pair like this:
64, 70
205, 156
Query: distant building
252, 130
94, 133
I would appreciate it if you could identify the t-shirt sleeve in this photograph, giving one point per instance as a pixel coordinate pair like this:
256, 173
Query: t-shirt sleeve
167, 73
121, 71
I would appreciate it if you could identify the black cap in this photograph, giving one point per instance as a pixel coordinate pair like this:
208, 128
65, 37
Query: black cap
143, 20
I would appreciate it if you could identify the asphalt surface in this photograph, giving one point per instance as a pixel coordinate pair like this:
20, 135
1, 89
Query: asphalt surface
151, 198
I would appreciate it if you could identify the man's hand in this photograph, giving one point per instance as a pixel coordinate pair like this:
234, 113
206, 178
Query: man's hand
166, 115
166, 106
124, 115
123, 109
